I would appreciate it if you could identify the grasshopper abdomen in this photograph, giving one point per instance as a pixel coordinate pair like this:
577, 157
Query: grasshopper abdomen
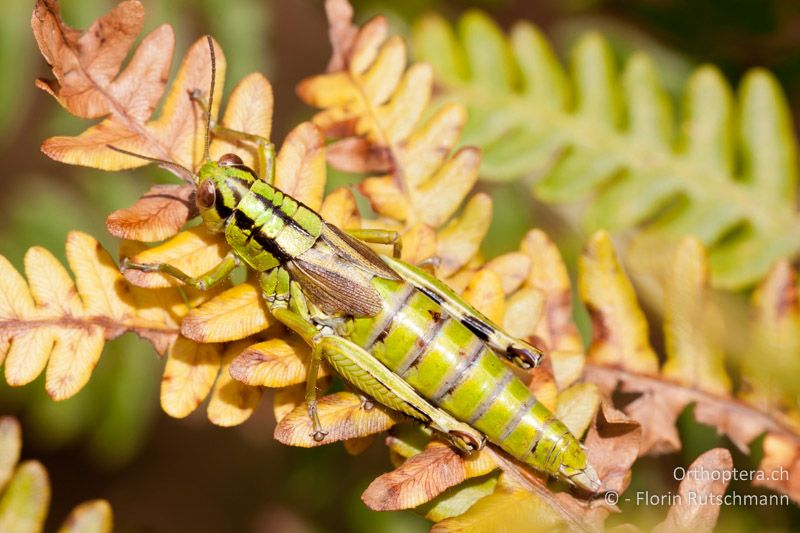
450, 366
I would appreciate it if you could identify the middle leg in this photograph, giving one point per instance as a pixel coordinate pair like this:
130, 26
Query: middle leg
379, 236
265, 150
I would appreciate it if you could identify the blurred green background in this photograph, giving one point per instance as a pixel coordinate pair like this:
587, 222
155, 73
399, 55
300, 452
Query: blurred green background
161, 474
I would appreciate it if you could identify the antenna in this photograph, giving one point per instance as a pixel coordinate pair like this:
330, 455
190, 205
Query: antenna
207, 155
182, 172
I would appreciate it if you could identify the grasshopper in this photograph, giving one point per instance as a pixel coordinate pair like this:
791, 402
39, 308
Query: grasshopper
388, 328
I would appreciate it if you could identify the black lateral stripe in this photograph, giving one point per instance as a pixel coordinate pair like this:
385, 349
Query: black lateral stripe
242, 221
238, 187
421, 347
382, 330
222, 210
432, 295
518, 416
487, 403
459, 374
242, 181
270, 245
478, 327
276, 211
237, 195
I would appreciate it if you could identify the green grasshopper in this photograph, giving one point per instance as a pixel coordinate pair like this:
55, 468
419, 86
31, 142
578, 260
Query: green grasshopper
388, 328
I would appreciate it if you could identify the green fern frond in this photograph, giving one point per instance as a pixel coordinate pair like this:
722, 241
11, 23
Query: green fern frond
25, 492
727, 173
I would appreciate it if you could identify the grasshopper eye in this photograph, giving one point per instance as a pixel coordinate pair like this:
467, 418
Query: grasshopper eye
230, 160
206, 194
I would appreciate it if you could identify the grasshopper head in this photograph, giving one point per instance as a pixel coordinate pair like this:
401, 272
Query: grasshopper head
220, 186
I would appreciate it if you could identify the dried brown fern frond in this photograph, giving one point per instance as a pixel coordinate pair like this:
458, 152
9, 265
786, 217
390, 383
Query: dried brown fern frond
52, 322
694, 373
230, 348
372, 107
197, 367
89, 84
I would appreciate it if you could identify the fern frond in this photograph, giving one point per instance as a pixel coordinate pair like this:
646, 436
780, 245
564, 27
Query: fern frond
727, 174
694, 371
344, 412
55, 325
25, 492
52, 322
428, 468
91, 84
437, 468
372, 106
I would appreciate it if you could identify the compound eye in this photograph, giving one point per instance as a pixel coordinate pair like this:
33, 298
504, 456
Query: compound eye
230, 160
206, 194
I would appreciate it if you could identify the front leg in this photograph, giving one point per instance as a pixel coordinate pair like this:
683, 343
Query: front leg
276, 287
203, 282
